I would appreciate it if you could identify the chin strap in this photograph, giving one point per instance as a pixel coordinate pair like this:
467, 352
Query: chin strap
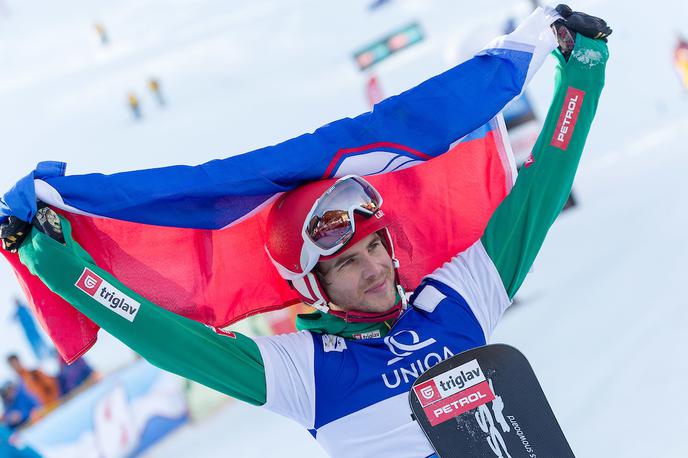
354, 316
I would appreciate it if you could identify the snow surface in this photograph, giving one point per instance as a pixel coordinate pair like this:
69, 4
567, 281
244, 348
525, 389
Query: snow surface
602, 316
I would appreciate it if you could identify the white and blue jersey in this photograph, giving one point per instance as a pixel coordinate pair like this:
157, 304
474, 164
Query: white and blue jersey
353, 394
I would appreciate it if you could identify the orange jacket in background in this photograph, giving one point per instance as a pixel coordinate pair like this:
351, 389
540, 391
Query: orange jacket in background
41, 385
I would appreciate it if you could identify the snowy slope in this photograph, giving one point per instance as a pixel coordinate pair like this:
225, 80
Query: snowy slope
601, 317
239, 430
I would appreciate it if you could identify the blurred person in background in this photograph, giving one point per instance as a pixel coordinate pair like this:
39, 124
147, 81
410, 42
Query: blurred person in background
18, 404
22, 314
134, 105
102, 33
71, 376
681, 60
42, 386
154, 86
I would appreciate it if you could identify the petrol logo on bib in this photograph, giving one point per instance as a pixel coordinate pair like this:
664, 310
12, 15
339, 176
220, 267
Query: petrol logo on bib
106, 294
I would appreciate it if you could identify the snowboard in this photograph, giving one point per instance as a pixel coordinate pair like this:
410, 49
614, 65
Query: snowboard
487, 402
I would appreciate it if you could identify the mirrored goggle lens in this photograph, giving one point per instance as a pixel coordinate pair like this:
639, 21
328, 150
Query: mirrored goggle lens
333, 228
330, 222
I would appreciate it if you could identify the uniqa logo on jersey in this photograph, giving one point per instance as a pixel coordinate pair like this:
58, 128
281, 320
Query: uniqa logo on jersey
405, 346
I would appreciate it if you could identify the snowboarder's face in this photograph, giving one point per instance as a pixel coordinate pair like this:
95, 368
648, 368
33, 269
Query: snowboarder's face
360, 279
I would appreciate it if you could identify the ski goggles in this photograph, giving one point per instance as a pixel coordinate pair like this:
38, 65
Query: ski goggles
330, 223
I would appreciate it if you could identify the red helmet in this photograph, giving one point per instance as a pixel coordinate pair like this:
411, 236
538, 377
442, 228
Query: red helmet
319, 221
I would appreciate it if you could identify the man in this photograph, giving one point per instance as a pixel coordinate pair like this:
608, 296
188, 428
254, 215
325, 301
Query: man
17, 404
71, 376
346, 375
42, 386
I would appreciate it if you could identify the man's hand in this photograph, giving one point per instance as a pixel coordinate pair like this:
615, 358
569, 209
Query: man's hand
13, 232
586, 25
575, 22
48, 222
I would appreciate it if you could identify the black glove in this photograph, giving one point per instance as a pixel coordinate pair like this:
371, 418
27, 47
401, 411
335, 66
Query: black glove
48, 222
586, 25
575, 22
14, 231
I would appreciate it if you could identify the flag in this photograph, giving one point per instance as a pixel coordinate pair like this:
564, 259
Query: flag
191, 239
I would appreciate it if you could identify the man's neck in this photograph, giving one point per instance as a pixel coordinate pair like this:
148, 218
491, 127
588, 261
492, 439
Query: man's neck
324, 323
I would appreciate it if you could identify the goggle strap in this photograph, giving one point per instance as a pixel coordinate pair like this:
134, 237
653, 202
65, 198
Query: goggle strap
304, 291
310, 291
402, 295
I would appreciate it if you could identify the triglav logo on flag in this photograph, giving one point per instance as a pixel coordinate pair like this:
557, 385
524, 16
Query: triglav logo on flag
107, 295
454, 392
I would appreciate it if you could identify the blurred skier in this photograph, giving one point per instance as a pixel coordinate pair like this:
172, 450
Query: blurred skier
22, 314
374, 92
154, 86
102, 33
681, 61
346, 376
134, 106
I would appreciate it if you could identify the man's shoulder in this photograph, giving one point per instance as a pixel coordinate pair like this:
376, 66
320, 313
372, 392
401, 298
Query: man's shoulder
290, 338
433, 292
428, 296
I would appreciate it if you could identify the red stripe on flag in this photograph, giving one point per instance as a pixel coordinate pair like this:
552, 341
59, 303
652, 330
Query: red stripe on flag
383, 146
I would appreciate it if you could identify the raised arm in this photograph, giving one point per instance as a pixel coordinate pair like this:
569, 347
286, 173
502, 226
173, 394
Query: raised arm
518, 227
488, 274
227, 362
